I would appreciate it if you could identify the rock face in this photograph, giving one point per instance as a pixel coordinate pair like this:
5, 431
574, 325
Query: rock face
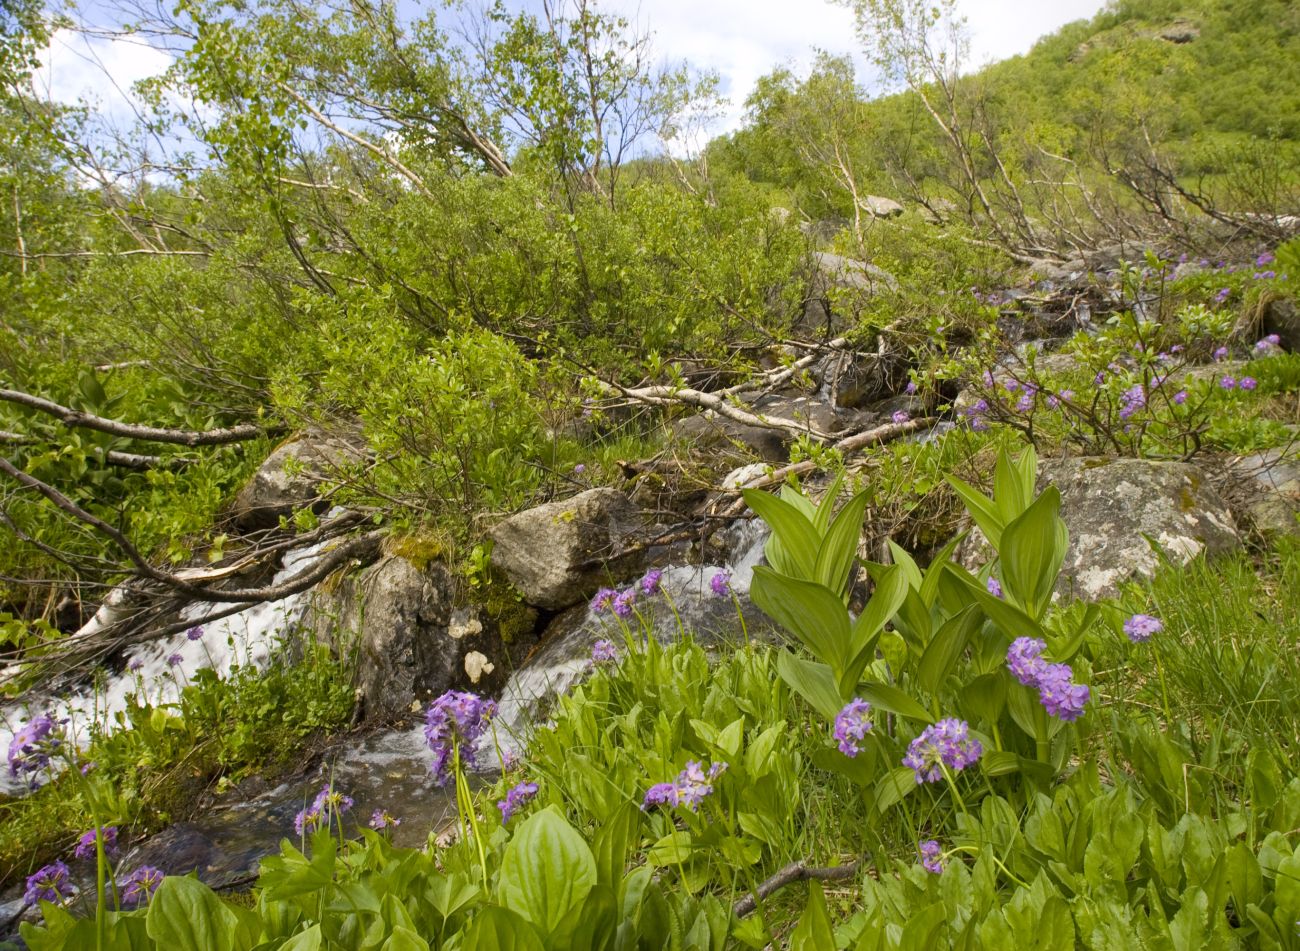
412, 637
1268, 484
717, 434
1281, 317
837, 288
879, 207
558, 554
1112, 506
292, 477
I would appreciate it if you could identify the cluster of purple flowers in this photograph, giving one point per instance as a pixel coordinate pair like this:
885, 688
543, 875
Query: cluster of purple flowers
947, 743
330, 804
931, 856
52, 883
689, 789
516, 797
852, 724
623, 603
994, 587
1057, 691
901, 416
1268, 345
195, 633
174, 660
975, 412
1140, 627
138, 887
85, 848
720, 583
382, 819
457, 718
1132, 400
30, 749
603, 652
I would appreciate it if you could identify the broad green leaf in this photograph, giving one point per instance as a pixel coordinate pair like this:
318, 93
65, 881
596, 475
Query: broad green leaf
935, 574
839, 548
813, 681
907, 563
821, 517
547, 869
792, 549
591, 925
310, 940
673, 849
806, 609
1032, 551
946, 648
613, 841
985, 696
893, 786
981, 509
185, 913
500, 929
1009, 493
1012, 621
891, 591
894, 700
814, 932
404, 939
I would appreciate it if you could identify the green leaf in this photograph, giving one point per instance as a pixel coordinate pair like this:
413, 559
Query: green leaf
792, 549
1009, 494
500, 929
934, 574
1012, 621
893, 786
985, 696
821, 516
613, 841
547, 869
946, 648
673, 849
891, 591
981, 509
309, 940
814, 932
1032, 551
894, 700
907, 563
813, 681
806, 609
403, 939
839, 549
185, 913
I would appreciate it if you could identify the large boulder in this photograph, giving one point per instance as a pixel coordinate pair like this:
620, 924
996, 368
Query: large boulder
1265, 488
878, 207
720, 435
414, 636
837, 288
560, 553
294, 476
1113, 506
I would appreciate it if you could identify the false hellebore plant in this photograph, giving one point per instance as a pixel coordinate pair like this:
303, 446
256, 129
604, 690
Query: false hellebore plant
942, 669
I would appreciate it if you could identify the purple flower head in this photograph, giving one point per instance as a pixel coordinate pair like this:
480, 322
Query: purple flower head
195, 633
624, 603
53, 883
604, 600
930, 856
1011, 386
1266, 258
852, 724
1053, 401
1140, 627
135, 664
1264, 275
30, 749
602, 652
652, 581
307, 821
1025, 403
900, 416
979, 406
988, 378
1060, 696
515, 798
689, 789
1180, 397
138, 887
721, 583
174, 660
382, 819
1228, 383
332, 803
1025, 661
1223, 295
1248, 383
1132, 400
978, 424
86, 844
661, 794
580, 468
1220, 354
994, 587
910, 389
947, 743
456, 719
1100, 378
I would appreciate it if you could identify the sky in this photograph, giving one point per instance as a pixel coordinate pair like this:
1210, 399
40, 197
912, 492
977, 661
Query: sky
740, 39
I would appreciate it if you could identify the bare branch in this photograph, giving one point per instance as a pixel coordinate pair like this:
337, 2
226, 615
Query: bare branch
794, 872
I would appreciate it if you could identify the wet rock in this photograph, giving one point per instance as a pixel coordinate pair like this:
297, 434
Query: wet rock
1112, 506
294, 476
837, 289
709, 432
559, 553
414, 637
879, 207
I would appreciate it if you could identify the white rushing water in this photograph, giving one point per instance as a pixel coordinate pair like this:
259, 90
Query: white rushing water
156, 671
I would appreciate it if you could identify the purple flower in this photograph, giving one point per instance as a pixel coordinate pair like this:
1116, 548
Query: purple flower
135, 664
195, 633
86, 844
1025, 403
29, 750
1180, 397
328, 805
650, 584
1060, 696
624, 603
1220, 354
689, 789
138, 887
930, 856
1248, 383
994, 587
1025, 661
1140, 627
661, 794
978, 424
1264, 275
946, 743
910, 389
1223, 295
381, 819
1100, 378
515, 798
852, 724
1266, 258
455, 720
900, 416
174, 660
602, 652
1227, 383
1132, 400
1270, 344
721, 583
604, 600
580, 468
1011, 386
51, 883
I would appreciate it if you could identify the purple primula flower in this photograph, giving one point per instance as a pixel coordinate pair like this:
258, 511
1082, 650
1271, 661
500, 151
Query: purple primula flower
988, 378
195, 633
1180, 397
1248, 383
1025, 661
580, 468
138, 887
604, 600
689, 789
652, 581
1264, 275
29, 750
1025, 403
1227, 383
978, 424
135, 664
930, 856
52, 883
1140, 627
382, 819
455, 721
979, 406
1220, 354
86, 844
602, 652
661, 794
994, 587
175, 660
1132, 400
852, 724
1060, 696
900, 416
624, 603
1100, 378
947, 743
515, 798
1266, 258
1011, 386
1223, 294
910, 389
721, 583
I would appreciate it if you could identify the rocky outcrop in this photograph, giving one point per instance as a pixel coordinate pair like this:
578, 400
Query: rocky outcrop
413, 636
1116, 510
558, 554
294, 477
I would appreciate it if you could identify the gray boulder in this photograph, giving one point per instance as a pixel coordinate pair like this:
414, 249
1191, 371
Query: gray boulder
879, 207
294, 476
837, 289
718, 435
560, 553
1113, 506
1265, 487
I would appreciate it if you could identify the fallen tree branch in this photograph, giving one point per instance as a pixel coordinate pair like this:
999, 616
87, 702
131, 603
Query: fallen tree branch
676, 396
127, 460
794, 872
181, 437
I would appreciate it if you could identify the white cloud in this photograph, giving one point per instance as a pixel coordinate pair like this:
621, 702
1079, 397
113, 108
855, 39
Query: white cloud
98, 70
